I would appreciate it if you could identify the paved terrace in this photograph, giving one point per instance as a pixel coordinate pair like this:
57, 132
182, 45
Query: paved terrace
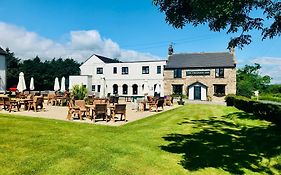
60, 113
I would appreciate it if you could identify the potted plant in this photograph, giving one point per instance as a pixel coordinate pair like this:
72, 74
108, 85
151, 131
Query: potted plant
181, 101
79, 92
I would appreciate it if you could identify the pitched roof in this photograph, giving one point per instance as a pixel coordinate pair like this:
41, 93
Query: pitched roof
107, 60
201, 60
2, 52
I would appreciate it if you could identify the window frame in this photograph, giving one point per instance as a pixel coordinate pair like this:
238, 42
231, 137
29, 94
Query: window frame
145, 69
219, 72
216, 87
115, 70
125, 72
99, 70
174, 87
159, 69
177, 72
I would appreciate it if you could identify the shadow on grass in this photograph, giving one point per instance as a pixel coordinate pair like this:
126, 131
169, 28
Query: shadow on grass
226, 145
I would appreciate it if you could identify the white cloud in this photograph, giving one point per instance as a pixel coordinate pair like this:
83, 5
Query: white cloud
270, 66
81, 45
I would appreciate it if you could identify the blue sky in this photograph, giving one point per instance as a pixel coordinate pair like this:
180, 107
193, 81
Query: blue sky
125, 29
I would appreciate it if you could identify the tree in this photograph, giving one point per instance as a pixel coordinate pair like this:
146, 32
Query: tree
249, 80
234, 16
12, 69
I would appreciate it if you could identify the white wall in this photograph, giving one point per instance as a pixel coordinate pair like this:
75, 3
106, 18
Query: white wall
2, 73
80, 79
134, 76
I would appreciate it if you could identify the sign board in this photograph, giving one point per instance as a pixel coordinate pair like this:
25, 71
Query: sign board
197, 73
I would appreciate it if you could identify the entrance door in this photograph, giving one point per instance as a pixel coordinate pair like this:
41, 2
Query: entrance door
197, 93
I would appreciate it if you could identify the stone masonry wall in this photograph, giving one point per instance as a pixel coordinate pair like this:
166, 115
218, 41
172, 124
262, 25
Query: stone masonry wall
229, 80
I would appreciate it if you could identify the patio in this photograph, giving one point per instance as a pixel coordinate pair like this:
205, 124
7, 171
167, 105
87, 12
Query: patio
60, 113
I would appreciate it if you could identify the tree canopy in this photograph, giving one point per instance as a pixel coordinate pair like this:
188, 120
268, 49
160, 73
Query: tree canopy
249, 80
234, 16
44, 72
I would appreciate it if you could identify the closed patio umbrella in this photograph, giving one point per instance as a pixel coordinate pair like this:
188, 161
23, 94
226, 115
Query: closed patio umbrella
57, 84
62, 89
21, 84
157, 90
31, 86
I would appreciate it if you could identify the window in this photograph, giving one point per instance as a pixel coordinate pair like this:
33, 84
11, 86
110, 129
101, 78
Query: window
135, 89
114, 70
177, 89
115, 89
94, 88
158, 69
145, 69
99, 86
125, 70
219, 90
125, 89
99, 70
219, 72
177, 73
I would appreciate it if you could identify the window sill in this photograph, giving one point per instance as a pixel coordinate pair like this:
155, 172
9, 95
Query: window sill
219, 95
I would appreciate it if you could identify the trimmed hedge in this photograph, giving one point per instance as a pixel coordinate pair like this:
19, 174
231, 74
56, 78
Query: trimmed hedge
270, 112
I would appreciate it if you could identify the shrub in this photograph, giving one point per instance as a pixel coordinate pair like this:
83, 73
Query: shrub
270, 112
79, 92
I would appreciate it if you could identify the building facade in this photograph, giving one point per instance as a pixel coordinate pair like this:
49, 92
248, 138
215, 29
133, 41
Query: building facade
201, 76
3, 79
135, 78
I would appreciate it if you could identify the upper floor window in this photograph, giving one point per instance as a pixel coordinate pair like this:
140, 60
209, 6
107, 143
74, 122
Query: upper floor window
114, 70
177, 73
158, 69
125, 70
145, 69
219, 72
99, 70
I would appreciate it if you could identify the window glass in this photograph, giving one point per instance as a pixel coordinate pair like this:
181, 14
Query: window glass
114, 70
219, 90
145, 69
158, 69
125, 70
125, 89
177, 73
177, 89
99, 70
93, 87
115, 89
220, 72
135, 89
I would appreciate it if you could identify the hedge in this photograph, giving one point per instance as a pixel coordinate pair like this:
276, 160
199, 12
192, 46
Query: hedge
270, 112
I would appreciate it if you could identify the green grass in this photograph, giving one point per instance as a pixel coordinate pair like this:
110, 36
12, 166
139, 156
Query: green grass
193, 139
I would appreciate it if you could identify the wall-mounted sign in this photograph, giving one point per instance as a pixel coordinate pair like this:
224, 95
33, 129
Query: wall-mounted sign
195, 73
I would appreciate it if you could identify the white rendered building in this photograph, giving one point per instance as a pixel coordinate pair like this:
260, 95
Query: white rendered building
2, 70
136, 78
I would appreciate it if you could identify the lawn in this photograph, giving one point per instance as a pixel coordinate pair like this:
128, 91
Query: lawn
193, 139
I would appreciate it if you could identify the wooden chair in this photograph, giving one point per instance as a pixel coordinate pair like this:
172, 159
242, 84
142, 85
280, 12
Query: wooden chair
37, 102
9, 104
81, 104
72, 110
156, 104
52, 99
169, 101
100, 110
119, 109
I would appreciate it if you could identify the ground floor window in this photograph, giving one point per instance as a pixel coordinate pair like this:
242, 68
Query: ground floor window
99, 88
135, 89
93, 88
219, 90
125, 89
177, 89
115, 89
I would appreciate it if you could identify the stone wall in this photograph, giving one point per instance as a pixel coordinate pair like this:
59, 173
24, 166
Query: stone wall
209, 80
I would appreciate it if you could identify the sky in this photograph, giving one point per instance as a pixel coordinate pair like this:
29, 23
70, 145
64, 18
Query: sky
123, 29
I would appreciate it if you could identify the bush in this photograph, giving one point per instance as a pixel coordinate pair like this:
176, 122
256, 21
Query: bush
270, 112
79, 92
